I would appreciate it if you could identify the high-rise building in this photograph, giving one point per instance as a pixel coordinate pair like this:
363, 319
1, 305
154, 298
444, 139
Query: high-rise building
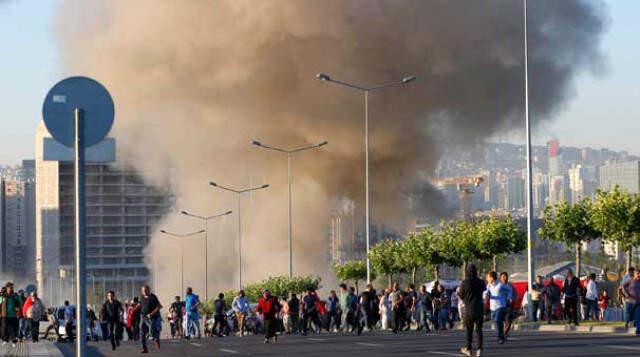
556, 163
121, 212
514, 192
540, 191
624, 174
582, 182
16, 227
559, 189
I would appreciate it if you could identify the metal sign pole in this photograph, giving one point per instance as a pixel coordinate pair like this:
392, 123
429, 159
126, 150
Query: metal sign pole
81, 298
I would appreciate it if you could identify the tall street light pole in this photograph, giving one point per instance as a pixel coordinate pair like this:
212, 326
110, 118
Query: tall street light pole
239, 195
289, 153
206, 220
366, 90
530, 263
181, 235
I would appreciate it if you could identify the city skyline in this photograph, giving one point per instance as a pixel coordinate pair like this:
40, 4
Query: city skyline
610, 92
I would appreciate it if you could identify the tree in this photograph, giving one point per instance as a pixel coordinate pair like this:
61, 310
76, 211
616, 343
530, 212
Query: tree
385, 258
569, 224
355, 270
459, 244
500, 236
616, 214
420, 250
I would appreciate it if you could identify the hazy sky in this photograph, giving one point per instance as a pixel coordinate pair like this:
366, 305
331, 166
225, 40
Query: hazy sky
604, 112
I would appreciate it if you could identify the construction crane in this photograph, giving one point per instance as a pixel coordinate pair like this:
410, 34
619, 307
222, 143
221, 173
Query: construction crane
466, 186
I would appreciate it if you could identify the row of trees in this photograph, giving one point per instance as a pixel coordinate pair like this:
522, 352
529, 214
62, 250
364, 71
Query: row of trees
612, 215
455, 243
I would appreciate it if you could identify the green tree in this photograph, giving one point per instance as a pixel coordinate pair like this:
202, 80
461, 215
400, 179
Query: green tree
616, 214
385, 259
460, 243
500, 236
420, 250
569, 224
355, 270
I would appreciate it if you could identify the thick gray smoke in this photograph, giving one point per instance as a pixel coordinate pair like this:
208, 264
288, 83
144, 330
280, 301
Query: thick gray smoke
194, 82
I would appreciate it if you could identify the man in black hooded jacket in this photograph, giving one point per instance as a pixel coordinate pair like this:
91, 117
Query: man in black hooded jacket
471, 291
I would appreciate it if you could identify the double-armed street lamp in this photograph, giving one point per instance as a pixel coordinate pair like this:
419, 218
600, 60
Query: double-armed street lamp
366, 90
289, 153
239, 195
206, 220
181, 235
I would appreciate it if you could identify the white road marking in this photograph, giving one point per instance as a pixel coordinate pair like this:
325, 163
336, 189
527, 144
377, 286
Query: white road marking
196, 344
369, 344
443, 353
233, 352
630, 348
317, 339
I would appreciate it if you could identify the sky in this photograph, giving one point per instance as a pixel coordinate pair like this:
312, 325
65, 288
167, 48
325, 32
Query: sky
605, 111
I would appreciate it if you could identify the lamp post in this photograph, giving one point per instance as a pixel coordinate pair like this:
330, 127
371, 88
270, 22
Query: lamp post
239, 195
366, 90
530, 263
289, 153
206, 219
181, 235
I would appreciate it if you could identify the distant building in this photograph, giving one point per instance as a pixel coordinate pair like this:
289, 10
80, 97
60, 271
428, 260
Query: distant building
582, 182
16, 227
121, 212
556, 163
624, 174
559, 189
514, 193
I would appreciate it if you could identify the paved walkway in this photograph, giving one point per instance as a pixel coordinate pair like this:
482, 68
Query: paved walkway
24, 349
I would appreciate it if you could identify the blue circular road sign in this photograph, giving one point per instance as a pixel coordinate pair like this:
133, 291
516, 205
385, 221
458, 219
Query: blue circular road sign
74, 93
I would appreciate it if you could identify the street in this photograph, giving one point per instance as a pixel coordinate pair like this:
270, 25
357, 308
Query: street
445, 343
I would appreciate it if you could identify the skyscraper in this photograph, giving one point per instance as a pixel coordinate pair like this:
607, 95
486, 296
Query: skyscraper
121, 212
624, 174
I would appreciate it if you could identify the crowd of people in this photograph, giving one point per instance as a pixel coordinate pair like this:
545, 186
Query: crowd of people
430, 307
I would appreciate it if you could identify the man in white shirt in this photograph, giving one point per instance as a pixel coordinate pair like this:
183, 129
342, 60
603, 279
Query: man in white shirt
497, 294
240, 306
591, 298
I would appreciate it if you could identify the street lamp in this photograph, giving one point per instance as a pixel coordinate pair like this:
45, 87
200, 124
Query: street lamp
239, 194
289, 154
530, 263
366, 90
181, 235
206, 219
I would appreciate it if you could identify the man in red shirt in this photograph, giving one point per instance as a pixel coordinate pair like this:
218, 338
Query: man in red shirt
268, 306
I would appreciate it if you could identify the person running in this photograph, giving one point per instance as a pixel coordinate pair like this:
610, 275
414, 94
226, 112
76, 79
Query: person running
268, 306
444, 301
110, 313
220, 316
603, 304
398, 307
425, 309
10, 306
497, 295
591, 298
471, 291
537, 303
332, 305
344, 293
192, 315
551, 294
133, 318
240, 306
632, 290
175, 311
367, 300
510, 312
385, 310
571, 291
32, 310
410, 301
629, 303
309, 310
69, 320
151, 320
21, 319
294, 312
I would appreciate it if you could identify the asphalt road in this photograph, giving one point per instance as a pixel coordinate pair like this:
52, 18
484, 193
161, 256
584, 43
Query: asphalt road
447, 343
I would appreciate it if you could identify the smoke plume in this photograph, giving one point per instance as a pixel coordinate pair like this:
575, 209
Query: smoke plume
195, 82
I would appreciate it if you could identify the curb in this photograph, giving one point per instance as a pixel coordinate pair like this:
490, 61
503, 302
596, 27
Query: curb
488, 325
